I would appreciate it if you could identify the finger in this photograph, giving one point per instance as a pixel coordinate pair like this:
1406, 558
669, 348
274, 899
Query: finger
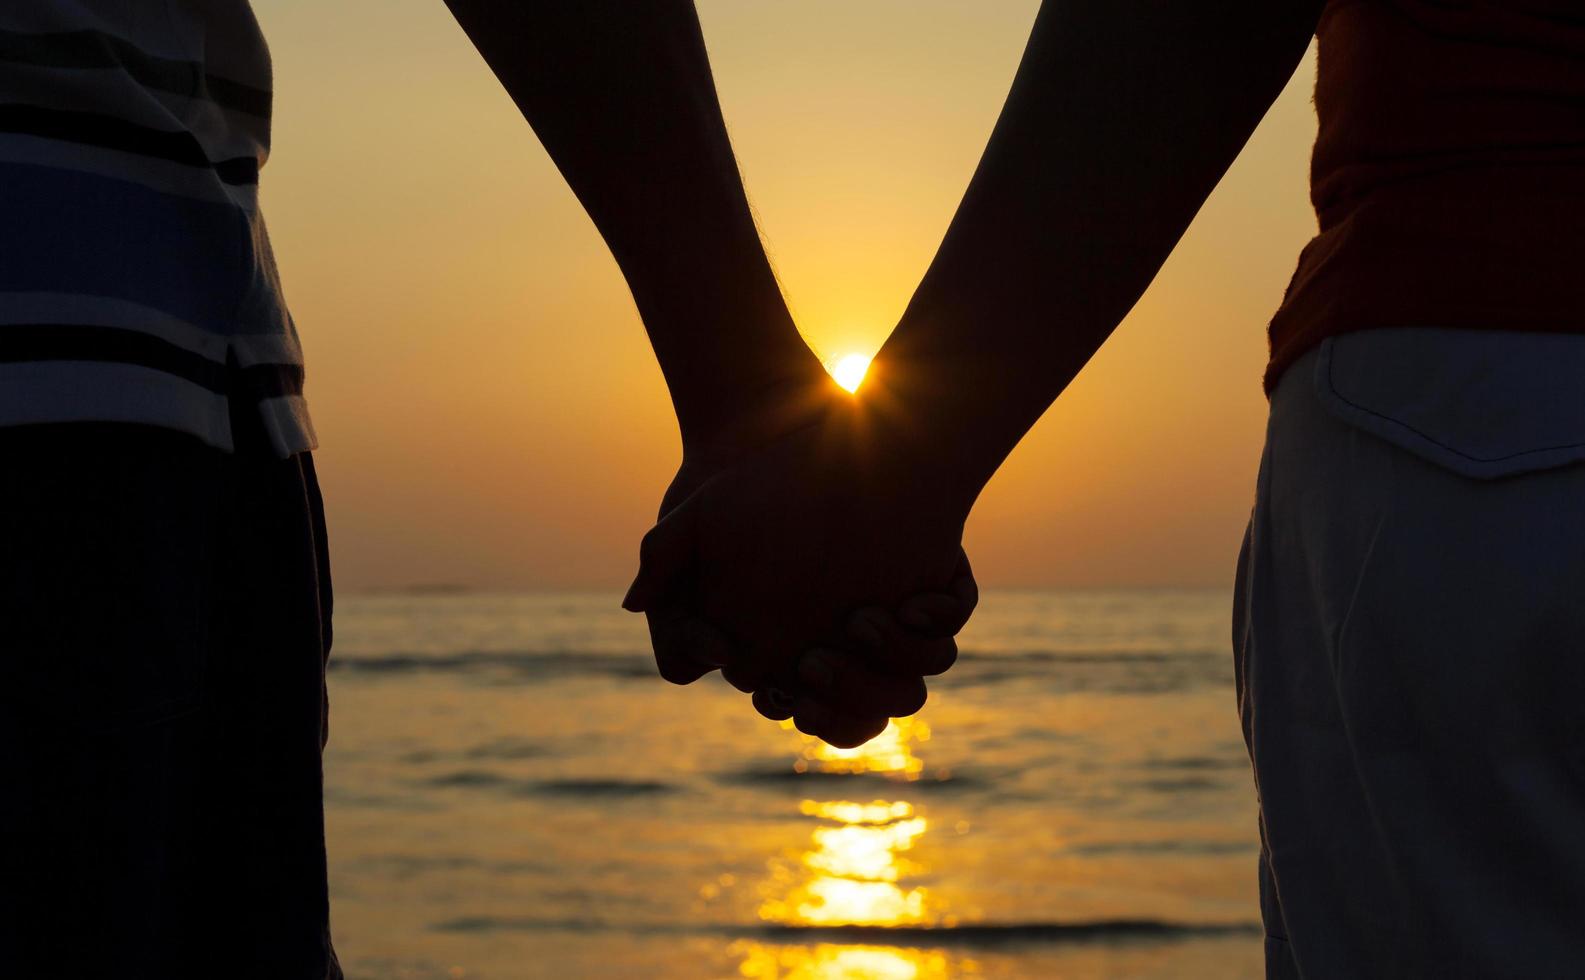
744, 675
774, 703
965, 588
877, 635
929, 613
943, 613
664, 556
848, 686
686, 647
844, 731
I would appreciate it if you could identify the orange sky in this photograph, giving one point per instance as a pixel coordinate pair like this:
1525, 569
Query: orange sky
489, 412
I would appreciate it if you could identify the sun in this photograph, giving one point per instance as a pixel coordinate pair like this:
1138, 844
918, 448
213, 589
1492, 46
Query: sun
848, 370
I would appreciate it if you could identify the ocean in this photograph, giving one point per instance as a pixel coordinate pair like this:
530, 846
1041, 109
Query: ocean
511, 792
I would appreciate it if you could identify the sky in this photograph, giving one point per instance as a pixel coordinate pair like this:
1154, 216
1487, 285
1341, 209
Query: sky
488, 410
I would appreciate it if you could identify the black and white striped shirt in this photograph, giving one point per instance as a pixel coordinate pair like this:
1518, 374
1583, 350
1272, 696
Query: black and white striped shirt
136, 278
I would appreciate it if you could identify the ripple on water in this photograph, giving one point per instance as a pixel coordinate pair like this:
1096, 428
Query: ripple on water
781, 775
514, 665
604, 789
983, 934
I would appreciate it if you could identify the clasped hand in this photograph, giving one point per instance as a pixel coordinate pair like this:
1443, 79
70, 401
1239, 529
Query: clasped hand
819, 566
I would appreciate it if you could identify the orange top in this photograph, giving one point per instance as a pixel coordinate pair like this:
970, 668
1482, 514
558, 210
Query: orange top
1448, 172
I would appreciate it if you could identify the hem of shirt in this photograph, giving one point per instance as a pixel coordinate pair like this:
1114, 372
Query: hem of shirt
55, 392
1290, 339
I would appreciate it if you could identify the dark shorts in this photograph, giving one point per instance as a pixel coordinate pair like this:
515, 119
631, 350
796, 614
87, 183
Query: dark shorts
164, 624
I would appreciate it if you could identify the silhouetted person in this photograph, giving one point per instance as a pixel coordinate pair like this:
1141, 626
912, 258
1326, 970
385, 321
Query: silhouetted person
164, 590
1409, 623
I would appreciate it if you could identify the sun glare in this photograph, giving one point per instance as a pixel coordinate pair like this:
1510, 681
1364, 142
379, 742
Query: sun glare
848, 370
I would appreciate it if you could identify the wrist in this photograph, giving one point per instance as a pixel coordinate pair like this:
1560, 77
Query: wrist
776, 407
919, 413
752, 404
752, 418
737, 369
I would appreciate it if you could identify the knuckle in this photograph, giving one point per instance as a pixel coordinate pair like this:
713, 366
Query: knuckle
945, 613
773, 700
911, 700
767, 707
647, 546
742, 678
940, 657
855, 733
675, 670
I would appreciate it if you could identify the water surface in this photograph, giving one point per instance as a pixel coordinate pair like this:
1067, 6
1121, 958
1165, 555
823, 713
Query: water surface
511, 792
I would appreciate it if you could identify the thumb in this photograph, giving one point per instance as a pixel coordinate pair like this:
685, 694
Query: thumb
664, 555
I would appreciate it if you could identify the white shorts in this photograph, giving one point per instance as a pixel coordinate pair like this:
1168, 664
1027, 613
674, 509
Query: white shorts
1409, 631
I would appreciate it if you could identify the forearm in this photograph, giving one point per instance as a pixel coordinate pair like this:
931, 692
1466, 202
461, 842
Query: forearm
1120, 121
621, 96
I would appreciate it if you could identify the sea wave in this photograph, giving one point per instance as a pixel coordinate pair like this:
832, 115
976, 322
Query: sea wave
594, 788
523, 664
539, 663
780, 773
980, 934
1205, 848
1000, 933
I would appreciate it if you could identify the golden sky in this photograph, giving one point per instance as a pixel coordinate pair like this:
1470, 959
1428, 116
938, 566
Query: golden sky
489, 412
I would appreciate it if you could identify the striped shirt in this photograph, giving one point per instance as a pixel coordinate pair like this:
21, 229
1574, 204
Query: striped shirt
136, 278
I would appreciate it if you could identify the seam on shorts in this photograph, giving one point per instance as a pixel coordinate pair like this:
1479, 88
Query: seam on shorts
1332, 384
1337, 657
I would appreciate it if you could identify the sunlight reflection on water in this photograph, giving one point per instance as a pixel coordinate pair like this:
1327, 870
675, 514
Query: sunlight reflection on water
889, 752
827, 961
854, 872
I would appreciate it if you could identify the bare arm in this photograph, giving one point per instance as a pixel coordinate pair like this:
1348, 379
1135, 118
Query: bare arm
620, 94
1122, 118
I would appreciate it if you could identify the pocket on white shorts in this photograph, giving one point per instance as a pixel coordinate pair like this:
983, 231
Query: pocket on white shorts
1482, 403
